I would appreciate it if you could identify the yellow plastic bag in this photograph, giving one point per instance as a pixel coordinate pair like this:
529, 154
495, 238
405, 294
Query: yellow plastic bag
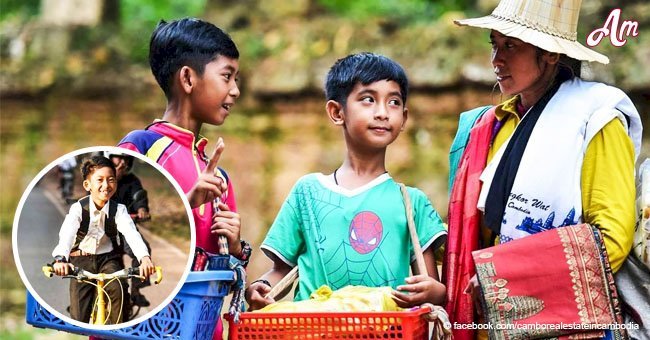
346, 299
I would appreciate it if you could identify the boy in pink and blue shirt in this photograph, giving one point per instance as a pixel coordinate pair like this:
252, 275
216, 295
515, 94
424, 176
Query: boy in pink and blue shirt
196, 65
176, 150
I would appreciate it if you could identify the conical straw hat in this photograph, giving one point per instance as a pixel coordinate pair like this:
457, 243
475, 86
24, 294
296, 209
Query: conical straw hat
548, 24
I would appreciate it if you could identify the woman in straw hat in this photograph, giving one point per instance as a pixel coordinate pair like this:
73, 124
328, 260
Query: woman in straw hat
560, 152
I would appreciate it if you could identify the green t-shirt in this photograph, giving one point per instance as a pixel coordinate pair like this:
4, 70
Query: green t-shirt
343, 237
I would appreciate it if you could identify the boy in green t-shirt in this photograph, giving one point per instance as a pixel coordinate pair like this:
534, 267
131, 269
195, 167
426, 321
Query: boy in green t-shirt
349, 227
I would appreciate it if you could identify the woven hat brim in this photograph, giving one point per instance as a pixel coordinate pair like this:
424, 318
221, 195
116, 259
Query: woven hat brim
535, 37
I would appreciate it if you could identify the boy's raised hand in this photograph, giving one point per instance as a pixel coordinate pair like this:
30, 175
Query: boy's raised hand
419, 289
208, 186
228, 224
146, 267
255, 296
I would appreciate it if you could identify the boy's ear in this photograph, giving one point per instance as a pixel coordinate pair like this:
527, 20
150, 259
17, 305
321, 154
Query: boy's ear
405, 114
186, 77
335, 112
86, 184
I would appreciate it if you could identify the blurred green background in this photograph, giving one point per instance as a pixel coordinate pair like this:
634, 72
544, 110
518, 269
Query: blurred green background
75, 74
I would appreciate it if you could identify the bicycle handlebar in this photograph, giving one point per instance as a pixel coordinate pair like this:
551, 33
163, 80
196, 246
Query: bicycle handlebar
80, 274
158, 275
137, 219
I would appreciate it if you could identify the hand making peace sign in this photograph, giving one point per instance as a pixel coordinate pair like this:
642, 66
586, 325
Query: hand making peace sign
208, 186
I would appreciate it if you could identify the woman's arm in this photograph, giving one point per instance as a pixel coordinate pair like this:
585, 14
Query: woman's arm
608, 191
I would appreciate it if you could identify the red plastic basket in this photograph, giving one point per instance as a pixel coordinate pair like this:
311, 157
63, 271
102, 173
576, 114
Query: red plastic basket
338, 325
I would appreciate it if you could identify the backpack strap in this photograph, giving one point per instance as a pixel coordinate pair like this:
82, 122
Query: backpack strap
85, 222
110, 227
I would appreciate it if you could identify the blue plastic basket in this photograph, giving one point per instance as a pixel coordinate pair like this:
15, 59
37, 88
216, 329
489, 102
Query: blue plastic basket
192, 314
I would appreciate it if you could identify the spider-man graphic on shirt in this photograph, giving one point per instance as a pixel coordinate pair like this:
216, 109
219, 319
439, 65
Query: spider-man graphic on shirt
340, 237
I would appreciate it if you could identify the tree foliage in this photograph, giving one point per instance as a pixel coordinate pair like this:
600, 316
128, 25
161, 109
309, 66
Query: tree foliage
417, 10
23, 8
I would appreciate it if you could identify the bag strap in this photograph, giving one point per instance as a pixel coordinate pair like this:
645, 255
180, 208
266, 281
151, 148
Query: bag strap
292, 276
286, 282
222, 240
417, 249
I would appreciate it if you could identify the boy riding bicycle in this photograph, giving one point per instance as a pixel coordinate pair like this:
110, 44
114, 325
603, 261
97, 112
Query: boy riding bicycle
89, 239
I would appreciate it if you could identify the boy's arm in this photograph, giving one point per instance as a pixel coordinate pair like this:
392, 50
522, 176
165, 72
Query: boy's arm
68, 232
425, 287
127, 228
283, 245
421, 288
140, 203
143, 200
256, 292
130, 146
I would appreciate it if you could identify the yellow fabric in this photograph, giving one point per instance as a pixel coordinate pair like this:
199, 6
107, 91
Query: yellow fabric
158, 148
607, 201
346, 299
506, 111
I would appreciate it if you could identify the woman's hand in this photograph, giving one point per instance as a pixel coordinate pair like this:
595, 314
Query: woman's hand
473, 288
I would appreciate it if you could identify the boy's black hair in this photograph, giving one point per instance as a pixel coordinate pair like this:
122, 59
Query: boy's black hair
128, 159
93, 163
364, 68
186, 42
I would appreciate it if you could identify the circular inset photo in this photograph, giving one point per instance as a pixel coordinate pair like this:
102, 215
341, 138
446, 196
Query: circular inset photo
102, 239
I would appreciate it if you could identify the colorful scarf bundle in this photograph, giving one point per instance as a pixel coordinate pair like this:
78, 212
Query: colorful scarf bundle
464, 225
565, 288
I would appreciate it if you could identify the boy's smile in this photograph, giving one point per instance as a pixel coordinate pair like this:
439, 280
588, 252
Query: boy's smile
102, 184
216, 91
374, 114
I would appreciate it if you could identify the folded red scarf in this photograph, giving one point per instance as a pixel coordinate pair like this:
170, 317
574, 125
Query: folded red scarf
564, 288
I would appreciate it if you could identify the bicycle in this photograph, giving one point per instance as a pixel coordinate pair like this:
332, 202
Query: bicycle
100, 311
